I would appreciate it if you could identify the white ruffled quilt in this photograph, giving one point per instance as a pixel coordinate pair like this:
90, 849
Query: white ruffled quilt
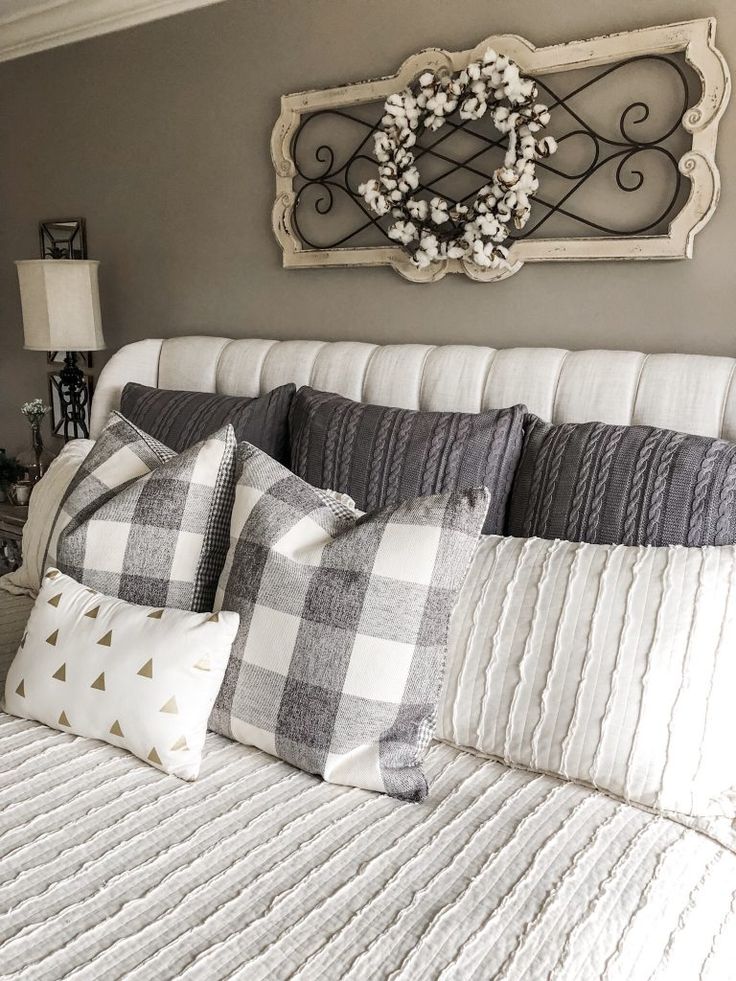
109, 869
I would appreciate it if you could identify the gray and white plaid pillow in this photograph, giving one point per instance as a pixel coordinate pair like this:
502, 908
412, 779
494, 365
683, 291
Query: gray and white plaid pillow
338, 661
146, 524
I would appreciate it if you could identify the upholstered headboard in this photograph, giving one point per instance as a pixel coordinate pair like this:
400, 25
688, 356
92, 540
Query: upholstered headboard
690, 393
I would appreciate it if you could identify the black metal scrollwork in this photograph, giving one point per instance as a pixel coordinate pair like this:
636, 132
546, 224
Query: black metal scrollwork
322, 177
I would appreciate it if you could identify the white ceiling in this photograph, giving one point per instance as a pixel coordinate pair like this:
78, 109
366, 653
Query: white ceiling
27, 26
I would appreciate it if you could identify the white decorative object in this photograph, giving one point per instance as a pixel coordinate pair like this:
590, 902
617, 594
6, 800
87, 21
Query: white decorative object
61, 304
41, 529
435, 230
610, 665
141, 678
695, 39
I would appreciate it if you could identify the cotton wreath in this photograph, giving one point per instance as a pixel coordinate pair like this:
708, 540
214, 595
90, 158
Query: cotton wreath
434, 230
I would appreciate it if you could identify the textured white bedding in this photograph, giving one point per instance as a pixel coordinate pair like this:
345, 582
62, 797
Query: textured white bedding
109, 869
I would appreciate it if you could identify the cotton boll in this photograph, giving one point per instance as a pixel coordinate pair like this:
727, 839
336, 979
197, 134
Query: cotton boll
480, 259
421, 259
546, 146
403, 231
418, 209
502, 63
490, 56
426, 79
506, 176
521, 217
428, 244
411, 177
488, 226
474, 70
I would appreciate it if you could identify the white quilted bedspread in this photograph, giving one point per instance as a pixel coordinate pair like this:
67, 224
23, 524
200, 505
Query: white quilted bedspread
109, 869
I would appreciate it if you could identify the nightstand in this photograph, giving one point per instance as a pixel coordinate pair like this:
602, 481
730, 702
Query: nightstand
12, 519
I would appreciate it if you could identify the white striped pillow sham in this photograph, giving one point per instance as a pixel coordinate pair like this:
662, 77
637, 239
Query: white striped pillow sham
610, 665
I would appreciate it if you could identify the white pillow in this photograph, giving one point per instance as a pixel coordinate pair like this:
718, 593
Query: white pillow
137, 677
41, 527
610, 665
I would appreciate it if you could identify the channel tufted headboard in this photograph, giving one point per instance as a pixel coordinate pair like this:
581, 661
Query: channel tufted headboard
691, 393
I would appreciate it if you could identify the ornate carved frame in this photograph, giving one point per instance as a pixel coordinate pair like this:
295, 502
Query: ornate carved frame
696, 39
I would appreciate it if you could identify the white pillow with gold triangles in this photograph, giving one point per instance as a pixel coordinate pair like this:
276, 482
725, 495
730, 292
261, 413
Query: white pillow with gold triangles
140, 678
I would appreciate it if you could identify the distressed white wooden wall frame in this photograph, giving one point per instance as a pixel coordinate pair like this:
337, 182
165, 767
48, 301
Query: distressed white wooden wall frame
695, 40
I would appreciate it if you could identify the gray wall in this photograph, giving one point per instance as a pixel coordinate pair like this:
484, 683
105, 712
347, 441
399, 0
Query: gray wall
159, 137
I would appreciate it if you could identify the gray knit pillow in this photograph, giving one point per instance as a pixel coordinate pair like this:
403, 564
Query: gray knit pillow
630, 485
381, 456
181, 419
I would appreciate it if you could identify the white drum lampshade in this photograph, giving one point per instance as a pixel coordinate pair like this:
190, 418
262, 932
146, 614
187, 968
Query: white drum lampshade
61, 304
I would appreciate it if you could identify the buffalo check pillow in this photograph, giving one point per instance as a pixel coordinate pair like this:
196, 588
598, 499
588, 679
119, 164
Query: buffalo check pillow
148, 525
338, 660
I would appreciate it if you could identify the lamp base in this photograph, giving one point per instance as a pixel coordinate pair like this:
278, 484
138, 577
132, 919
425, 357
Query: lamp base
73, 396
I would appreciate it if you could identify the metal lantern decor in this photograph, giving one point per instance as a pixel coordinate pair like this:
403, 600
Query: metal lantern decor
61, 312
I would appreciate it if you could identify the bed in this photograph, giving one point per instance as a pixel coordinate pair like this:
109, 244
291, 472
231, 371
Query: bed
112, 870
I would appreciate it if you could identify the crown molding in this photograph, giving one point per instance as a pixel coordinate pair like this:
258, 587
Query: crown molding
52, 23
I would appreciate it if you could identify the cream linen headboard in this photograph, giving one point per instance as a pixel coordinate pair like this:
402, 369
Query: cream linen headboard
687, 392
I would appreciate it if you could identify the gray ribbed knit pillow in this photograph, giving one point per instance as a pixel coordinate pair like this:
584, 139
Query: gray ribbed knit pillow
629, 485
181, 419
381, 456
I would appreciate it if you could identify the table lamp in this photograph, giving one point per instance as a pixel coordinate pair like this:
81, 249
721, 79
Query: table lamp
61, 312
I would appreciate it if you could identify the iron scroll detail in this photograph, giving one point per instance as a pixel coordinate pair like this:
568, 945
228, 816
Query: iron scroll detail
622, 154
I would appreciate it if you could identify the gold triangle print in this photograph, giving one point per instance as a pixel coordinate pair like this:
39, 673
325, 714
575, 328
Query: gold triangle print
99, 682
52, 638
21, 689
63, 721
106, 641
52, 574
115, 729
147, 670
180, 743
88, 589
203, 664
54, 601
171, 707
156, 615
154, 757
60, 673
92, 614
215, 618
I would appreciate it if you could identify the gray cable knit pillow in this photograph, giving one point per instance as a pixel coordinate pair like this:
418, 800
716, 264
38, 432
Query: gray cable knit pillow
181, 419
380, 455
629, 485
